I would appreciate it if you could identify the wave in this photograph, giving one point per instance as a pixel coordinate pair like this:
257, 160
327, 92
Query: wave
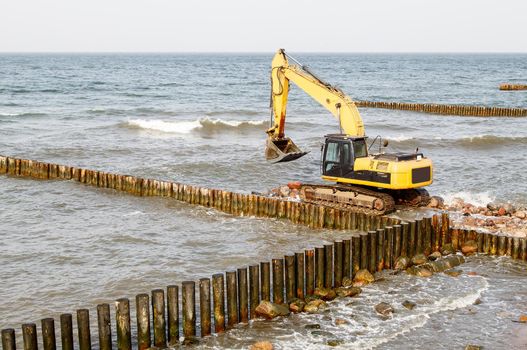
203, 124
480, 199
473, 142
27, 114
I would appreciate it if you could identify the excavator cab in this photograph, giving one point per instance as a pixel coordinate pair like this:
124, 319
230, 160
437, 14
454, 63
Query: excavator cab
339, 154
282, 150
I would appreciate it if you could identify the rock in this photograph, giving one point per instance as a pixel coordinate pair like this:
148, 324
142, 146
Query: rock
294, 185
348, 292
384, 309
523, 319
472, 347
509, 208
341, 321
419, 259
296, 305
419, 271
190, 341
436, 202
347, 282
453, 273
520, 214
492, 206
502, 211
312, 326
472, 273
409, 305
315, 306
311, 297
326, 294
447, 249
284, 191
270, 310
335, 342
364, 276
261, 345
469, 247
434, 256
477, 301
322, 333
401, 263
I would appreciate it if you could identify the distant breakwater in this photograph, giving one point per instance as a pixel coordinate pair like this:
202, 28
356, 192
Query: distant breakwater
230, 298
461, 110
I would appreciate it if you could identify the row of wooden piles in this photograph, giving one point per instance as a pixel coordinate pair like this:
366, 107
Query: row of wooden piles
509, 87
462, 110
181, 313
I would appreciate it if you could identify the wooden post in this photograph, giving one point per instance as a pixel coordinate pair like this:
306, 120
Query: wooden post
428, 236
502, 245
8, 335
372, 250
29, 334
436, 234
445, 228
142, 307
355, 254
523, 249
188, 291
232, 299
328, 264
487, 239
218, 296
364, 250
310, 271
66, 331
122, 319
104, 326
48, 334
397, 241
516, 248
299, 268
158, 316
265, 280
509, 246
173, 314
412, 243
278, 281
254, 290
404, 238
290, 278
83, 325
494, 245
380, 250
337, 265
420, 232
388, 247
346, 258
243, 296
204, 306
455, 239
319, 267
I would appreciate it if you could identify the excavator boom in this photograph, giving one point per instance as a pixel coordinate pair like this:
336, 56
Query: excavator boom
279, 147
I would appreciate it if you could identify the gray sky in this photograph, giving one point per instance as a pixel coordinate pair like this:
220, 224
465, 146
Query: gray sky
263, 26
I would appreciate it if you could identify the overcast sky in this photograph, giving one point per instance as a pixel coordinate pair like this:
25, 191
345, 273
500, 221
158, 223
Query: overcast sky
263, 26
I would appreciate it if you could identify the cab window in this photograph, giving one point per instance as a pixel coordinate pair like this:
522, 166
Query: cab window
360, 148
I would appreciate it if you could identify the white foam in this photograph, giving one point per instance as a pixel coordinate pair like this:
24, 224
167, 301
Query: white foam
185, 127
476, 198
400, 138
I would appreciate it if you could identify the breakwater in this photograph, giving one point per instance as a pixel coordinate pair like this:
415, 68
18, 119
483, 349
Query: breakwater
461, 110
513, 87
229, 298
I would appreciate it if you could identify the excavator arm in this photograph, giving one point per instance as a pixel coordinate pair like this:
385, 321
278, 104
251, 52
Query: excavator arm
279, 147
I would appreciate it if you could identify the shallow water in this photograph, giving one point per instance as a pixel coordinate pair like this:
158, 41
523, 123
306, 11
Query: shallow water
200, 119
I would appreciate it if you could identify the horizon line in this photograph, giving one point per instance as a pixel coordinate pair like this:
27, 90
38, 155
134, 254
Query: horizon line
263, 52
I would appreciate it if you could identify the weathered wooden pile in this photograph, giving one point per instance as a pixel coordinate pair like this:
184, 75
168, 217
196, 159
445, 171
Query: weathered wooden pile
513, 87
462, 110
227, 299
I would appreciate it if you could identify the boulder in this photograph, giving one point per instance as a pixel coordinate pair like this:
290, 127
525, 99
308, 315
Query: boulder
419, 259
453, 273
312, 326
296, 305
419, 271
326, 294
294, 185
340, 321
520, 214
364, 276
335, 342
384, 309
401, 263
347, 282
409, 305
315, 306
311, 297
348, 292
523, 319
261, 345
447, 249
472, 347
469, 247
270, 310
434, 256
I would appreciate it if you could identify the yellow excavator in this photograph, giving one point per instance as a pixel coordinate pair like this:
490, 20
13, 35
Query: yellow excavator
364, 182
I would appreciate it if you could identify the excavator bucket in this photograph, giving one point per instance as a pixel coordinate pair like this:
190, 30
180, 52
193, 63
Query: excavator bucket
282, 150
